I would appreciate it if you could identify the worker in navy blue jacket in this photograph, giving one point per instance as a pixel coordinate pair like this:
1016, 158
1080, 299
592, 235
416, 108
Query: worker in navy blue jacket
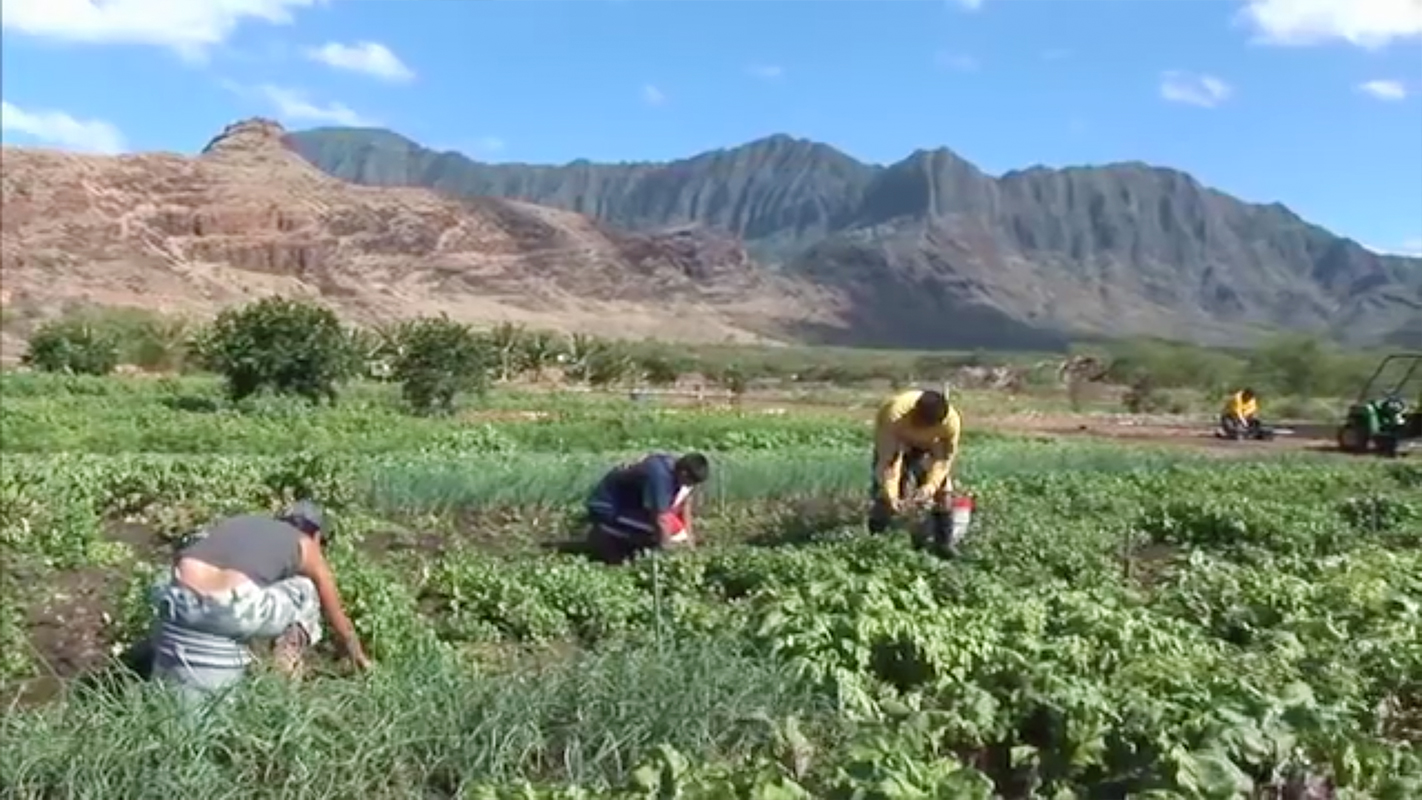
645, 505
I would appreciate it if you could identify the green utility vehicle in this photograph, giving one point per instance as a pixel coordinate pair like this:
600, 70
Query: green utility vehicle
1381, 420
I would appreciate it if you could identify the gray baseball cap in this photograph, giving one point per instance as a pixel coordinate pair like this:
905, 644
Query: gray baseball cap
306, 513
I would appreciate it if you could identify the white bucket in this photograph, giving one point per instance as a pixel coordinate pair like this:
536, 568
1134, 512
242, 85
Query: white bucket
960, 518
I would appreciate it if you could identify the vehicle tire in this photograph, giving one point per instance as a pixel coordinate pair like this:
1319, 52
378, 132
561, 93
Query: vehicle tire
1387, 446
1352, 439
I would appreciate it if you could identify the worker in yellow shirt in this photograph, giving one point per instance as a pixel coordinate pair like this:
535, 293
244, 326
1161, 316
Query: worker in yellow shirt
1240, 418
915, 443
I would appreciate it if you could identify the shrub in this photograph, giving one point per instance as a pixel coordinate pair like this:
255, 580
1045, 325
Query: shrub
73, 346
660, 370
1174, 366
733, 379
1145, 397
287, 346
608, 365
540, 351
438, 359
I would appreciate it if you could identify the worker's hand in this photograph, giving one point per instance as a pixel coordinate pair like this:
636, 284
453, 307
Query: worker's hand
361, 661
923, 499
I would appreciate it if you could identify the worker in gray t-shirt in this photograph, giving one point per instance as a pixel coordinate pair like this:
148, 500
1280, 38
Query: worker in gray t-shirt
245, 578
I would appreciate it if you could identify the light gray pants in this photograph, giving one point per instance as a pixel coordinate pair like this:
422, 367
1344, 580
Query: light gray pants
200, 642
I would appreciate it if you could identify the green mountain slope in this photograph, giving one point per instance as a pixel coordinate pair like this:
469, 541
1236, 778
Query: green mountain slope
930, 251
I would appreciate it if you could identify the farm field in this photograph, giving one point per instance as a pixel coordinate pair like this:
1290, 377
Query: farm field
1128, 619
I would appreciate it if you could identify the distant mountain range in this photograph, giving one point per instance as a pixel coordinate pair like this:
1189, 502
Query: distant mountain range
930, 251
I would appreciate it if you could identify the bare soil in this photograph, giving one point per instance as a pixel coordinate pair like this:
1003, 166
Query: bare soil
70, 629
1173, 431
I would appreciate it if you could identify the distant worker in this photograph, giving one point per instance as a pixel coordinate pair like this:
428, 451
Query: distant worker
245, 578
645, 505
1240, 418
915, 443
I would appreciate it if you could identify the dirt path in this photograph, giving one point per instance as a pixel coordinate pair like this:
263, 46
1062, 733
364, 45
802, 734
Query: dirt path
1129, 429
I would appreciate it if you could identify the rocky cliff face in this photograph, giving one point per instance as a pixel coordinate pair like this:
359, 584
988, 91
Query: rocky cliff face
930, 251
249, 217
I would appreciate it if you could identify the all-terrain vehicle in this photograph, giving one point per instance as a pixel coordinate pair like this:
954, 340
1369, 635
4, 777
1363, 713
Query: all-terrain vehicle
1381, 420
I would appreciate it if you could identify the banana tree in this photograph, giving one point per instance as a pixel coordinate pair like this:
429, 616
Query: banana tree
508, 341
576, 358
540, 351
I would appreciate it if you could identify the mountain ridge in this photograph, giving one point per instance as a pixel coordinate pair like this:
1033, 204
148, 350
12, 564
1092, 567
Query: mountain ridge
247, 217
1038, 253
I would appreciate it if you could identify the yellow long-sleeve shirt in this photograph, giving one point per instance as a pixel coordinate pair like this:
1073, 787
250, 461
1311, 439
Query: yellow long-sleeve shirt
1241, 409
894, 432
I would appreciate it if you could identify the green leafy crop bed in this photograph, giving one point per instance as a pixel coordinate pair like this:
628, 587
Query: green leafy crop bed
1122, 624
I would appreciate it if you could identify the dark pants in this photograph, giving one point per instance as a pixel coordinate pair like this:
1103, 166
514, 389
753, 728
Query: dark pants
615, 537
911, 479
1234, 428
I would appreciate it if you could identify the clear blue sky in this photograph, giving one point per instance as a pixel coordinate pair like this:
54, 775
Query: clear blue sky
1315, 103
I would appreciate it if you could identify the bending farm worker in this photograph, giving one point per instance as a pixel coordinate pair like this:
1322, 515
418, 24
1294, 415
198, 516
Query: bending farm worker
922, 429
645, 505
249, 577
1240, 417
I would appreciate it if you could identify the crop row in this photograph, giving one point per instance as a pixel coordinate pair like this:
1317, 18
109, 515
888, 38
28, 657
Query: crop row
57, 505
50, 414
1187, 631
372, 430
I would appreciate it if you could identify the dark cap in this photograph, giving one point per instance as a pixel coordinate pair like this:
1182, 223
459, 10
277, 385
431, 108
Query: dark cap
305, 514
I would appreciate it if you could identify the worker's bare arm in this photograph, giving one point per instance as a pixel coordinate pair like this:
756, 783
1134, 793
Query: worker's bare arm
686, 511
315, 567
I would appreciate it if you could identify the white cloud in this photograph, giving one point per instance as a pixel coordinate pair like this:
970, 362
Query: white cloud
61, 129
767, 72
653, 96
1411, 247
1384, 90
956, 61
1364, 23
293, 105
188, 27
369, 58
1205, 91
489, 144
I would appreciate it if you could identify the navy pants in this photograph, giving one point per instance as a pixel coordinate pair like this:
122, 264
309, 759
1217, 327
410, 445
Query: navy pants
617, 535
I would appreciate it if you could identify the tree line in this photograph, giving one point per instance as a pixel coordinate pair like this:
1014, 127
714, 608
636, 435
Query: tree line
299, 348
302, 348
